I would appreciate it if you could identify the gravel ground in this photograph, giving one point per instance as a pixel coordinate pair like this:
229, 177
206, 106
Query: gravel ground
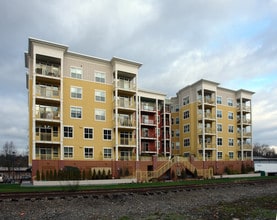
193, 204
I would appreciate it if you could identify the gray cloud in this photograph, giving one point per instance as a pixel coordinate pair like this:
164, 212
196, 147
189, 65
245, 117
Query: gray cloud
231, 42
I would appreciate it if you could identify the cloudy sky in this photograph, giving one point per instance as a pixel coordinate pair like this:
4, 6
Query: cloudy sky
232, 42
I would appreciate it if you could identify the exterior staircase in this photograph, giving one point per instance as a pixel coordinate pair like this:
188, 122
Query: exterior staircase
146, 176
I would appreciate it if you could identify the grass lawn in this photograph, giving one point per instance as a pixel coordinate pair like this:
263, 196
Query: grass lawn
17, 188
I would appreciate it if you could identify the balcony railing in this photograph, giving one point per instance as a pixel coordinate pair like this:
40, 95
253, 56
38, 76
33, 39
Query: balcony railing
148, 121
127, 141
126, 122
47, 91
149, 136
50, 113
244, 108
48, 137
48, 70
244, 134
126, 85
244, 121
148, 107
126, 103
207, 130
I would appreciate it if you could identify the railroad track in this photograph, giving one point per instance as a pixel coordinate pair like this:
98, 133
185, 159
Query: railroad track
115, 193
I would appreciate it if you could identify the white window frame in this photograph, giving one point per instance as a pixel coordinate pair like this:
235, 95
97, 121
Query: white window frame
219, 113
217, 141
100, 95
219, 125
231, 114
68, 126
64, 151
104, 154
231, 142
102, 116
76, 108
186, 114
107, 129
100, 77
92, 133
86, 157
186, 100
186, 128
230, 102
219, 155
177, 145
219, 100
230, 128
229, 153
186, 142
76, 72
76, 93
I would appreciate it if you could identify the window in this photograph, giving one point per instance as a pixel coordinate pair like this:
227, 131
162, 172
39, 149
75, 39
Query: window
172, 121
68, 152
186, 100
177, 133
186, 114
186, 142
172, 133
107, 153
107, 134
68, 131
88, 133
230, 128
219, 100
177, 145
177, 121
100, 77
230, 102
177, 108
231, 142
219, 127
219, 141
76, 73
100, 96
219, 113
88, 152
231, 155
219, 155
75, 112
76, 92
186, 128
100, 115
230, 115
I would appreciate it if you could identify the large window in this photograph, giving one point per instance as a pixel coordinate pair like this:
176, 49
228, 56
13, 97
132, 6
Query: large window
186, 128
219, 141
68, 131
230, 128
230, 115
186, 142
100, 114
219, 100
88, 152
231, 155
186, 114
219, 155
76, 92
219, 127
100, 95
107, 134
100, 77
88, 133
75, 112
68, 152
231, 142
230, 102
76, 73
107, 153
186, 100
219, 113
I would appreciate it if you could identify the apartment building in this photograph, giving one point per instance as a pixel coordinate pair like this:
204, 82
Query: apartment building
87, 109
211, 123
88, 112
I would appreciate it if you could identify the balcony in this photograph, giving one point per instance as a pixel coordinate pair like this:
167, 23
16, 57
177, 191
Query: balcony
149, 136
244, 134
207, 145
127, 142
126, 86
47, 136
126, 103
47, 70
207, 130
47, 113
244, 108
49, 92
148, 107
126, 123
146, 121
244, 121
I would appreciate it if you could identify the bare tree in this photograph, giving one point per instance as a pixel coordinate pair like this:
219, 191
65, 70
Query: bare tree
8, 155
